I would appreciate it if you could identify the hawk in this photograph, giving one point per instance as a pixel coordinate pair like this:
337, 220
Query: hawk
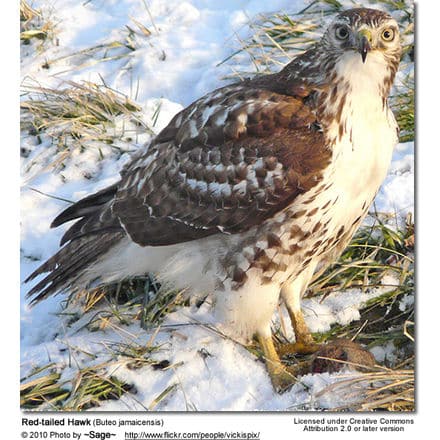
250, 189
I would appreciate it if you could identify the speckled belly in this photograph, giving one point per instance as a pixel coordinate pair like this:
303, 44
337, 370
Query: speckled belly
312, 232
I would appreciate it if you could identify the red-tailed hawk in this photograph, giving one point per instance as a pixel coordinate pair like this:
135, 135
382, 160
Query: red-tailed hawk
249, 189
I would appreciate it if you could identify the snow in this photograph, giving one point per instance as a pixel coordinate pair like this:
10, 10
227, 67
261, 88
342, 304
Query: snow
177, 64
397, 192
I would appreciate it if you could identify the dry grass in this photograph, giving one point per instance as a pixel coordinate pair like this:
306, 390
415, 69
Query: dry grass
78, 111
44, 390
27, 14
132, 37
121, 304
80, 116
403, 104
87, 389
385, 390
91, 386
34, 26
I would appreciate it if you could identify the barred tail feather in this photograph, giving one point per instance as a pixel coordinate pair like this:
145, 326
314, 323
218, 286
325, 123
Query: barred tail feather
67, 266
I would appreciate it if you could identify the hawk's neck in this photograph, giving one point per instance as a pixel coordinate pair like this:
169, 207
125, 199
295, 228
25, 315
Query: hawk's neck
354, 96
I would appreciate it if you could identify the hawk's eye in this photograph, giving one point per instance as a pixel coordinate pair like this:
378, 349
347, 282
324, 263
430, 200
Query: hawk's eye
341, 33
388, 34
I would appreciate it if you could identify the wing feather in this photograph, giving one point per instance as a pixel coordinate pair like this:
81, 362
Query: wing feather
233, 162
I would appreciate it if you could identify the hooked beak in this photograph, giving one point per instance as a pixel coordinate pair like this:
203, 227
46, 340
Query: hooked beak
364, 44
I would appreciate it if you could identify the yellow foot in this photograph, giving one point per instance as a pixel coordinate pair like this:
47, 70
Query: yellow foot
282, 379
298, 348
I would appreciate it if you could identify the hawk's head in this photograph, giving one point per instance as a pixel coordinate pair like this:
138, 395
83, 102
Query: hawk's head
360, 48
364, 31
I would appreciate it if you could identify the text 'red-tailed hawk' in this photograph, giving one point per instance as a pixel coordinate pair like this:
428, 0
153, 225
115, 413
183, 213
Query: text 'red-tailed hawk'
250, 189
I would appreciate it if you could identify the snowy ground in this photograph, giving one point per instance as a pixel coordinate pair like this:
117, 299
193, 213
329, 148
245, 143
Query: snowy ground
174, 66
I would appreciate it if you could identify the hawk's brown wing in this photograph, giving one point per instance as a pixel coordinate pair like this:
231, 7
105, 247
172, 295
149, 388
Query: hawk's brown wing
224, 164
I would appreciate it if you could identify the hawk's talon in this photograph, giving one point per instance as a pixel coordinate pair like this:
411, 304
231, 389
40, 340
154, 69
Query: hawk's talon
282, 380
